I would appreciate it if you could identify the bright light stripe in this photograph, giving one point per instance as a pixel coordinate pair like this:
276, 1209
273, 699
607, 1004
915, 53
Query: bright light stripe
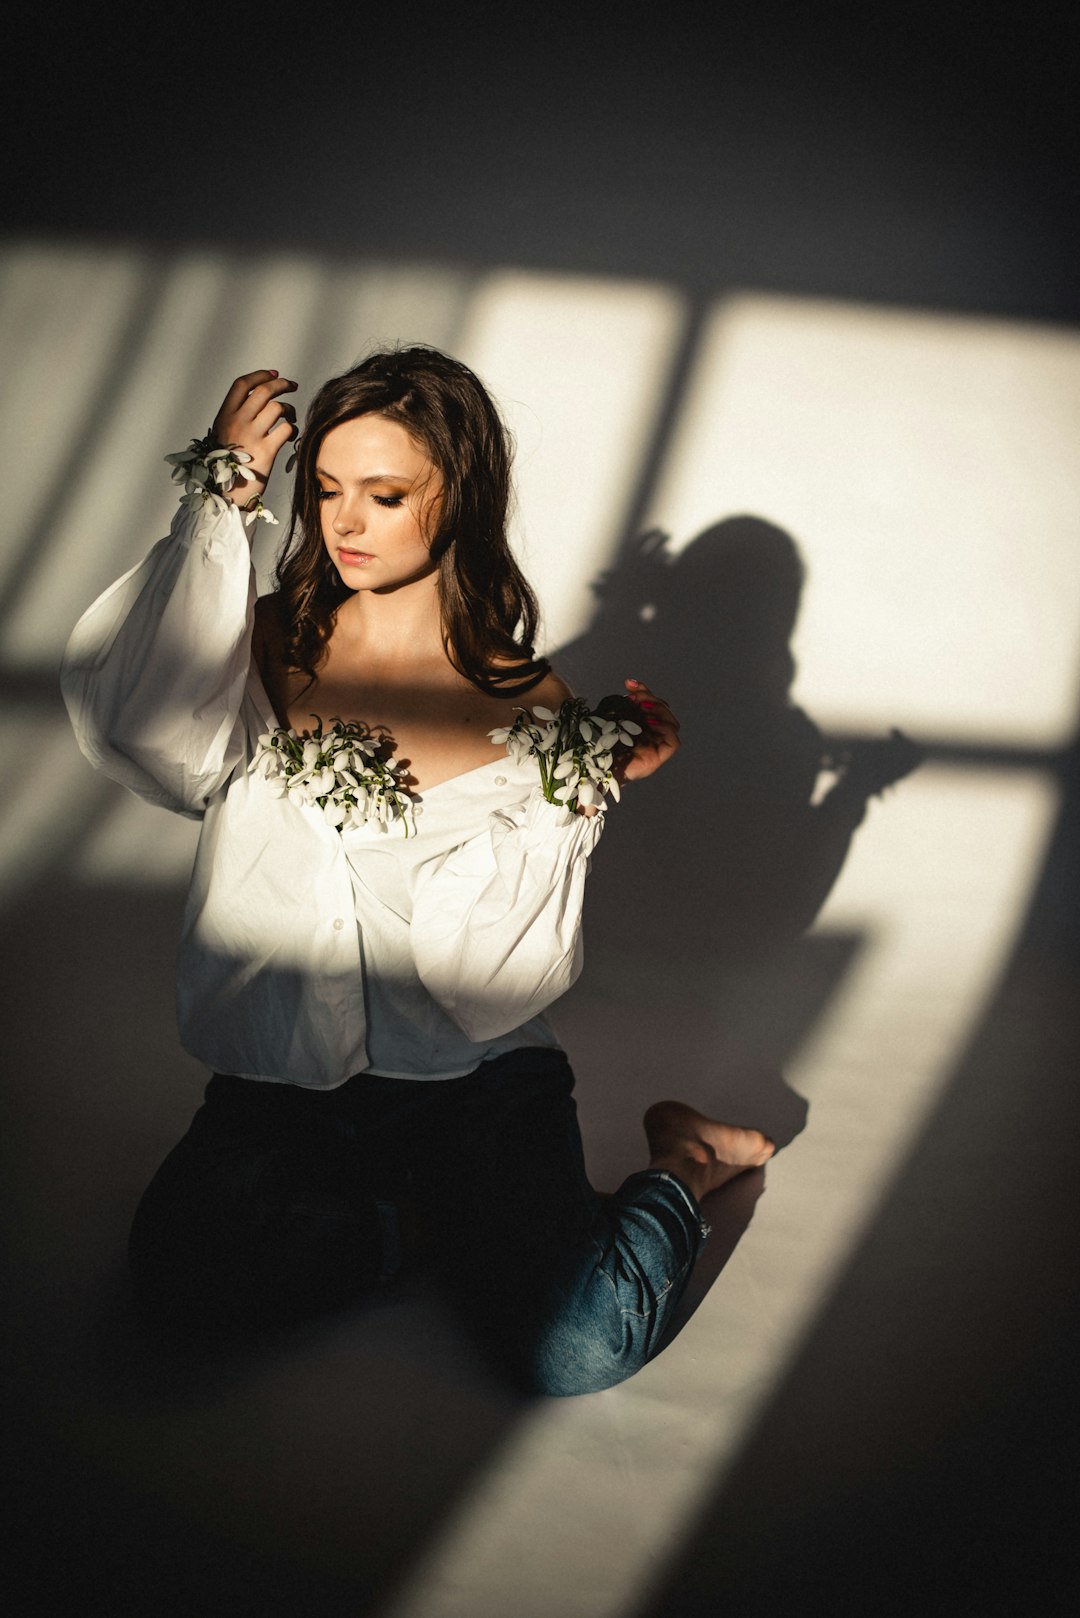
216, 316
578, 1511
38, 820
137, 846
121, 501
579, 367
129, 844
43, 824
62, 313
926, 466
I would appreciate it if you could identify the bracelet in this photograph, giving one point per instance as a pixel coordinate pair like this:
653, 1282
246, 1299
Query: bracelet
209, 470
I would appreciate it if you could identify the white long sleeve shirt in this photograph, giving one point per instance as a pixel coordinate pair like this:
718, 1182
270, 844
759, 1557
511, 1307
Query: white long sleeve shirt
309, 955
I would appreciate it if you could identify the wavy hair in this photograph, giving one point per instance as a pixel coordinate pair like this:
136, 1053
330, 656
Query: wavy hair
489, 613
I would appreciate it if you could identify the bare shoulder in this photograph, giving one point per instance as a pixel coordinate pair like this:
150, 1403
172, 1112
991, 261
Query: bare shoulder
550, 693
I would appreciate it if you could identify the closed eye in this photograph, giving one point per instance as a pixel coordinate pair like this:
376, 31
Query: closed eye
379, 499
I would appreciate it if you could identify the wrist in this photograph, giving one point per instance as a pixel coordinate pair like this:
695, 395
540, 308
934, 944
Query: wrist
210, 471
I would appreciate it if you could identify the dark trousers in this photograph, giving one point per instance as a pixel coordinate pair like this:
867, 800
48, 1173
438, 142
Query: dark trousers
282, 1203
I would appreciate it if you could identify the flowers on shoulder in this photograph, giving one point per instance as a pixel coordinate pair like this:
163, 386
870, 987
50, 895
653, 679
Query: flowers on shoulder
341, 770
575, 749
208, 470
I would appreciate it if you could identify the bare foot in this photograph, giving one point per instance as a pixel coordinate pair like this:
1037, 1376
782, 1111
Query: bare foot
700, 1150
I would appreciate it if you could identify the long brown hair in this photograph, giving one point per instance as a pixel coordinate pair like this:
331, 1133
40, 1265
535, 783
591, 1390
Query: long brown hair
489, 613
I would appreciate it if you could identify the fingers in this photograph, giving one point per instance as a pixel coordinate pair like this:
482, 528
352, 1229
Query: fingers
246, 385
243, 386
660, 740
246, 401
273, 416
256, 418
654, 710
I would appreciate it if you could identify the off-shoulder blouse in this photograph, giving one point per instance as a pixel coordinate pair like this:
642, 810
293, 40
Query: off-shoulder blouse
309, 955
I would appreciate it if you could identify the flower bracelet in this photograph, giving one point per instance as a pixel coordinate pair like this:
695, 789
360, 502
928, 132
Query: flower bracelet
208, 470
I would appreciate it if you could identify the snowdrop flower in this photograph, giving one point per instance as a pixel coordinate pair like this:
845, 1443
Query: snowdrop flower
574, 749
208, 471
337, 771
255, 511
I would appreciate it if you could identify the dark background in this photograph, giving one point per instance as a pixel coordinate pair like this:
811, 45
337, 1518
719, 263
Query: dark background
920, 153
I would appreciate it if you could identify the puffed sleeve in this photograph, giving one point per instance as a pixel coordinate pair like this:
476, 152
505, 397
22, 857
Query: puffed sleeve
496, 923
155, 671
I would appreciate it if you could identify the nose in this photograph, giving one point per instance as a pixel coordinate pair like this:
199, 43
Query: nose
346, 518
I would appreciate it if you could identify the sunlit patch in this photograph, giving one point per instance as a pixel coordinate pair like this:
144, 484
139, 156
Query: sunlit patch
925, 466
579, 366
138, 847
154, 341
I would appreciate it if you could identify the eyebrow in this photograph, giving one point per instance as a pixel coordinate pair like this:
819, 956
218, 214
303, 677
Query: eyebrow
376, 477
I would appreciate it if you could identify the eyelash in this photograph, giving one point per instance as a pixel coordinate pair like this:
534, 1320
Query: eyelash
389, 500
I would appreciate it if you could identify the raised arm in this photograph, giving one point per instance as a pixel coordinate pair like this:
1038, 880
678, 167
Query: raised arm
155, 671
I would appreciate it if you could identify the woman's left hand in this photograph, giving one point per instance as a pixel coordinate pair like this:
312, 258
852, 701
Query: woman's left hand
659, 739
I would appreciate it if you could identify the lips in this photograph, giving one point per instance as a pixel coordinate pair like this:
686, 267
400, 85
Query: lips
354, 558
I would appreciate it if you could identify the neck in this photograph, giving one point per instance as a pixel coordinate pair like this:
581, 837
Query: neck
390, 625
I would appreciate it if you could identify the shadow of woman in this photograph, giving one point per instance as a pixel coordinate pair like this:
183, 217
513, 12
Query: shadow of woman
699, 981
738, 826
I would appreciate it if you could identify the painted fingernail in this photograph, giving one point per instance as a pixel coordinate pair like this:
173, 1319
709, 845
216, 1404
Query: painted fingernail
275, 373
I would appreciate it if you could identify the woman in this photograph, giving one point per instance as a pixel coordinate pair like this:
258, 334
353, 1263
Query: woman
365, 967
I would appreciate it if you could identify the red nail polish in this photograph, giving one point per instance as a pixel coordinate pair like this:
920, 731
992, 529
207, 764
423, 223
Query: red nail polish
275, 373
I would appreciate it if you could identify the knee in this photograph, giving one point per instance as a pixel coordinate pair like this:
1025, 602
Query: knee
567, 1358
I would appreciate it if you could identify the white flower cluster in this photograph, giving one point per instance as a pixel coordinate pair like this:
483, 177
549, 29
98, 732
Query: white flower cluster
208, 470
340, 771
575, 749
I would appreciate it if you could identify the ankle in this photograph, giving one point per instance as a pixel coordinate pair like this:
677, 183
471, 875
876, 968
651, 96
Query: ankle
694, 1174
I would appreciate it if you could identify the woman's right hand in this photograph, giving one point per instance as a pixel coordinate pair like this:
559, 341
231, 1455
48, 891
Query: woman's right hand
256, 419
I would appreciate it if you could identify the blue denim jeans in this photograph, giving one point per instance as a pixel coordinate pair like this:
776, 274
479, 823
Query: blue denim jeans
281, 1203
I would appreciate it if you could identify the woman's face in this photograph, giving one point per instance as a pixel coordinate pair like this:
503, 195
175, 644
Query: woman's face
379, 497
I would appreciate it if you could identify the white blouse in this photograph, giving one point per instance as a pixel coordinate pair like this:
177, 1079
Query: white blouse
307, 954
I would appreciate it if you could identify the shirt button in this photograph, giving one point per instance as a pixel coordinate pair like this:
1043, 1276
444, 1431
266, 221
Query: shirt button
500, 780
339, 922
